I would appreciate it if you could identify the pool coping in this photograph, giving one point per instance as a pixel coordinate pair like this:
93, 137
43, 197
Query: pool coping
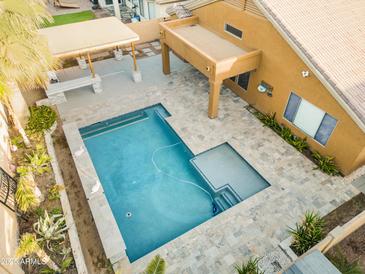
108, 230
110, 235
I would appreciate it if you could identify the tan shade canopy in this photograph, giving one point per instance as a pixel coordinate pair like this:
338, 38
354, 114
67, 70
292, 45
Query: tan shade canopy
88, 36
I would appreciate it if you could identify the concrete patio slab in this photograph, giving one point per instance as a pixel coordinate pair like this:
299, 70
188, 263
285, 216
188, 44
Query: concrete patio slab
254, 227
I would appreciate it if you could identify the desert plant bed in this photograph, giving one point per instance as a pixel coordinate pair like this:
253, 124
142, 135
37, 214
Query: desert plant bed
352, 248
49, 205
313, 228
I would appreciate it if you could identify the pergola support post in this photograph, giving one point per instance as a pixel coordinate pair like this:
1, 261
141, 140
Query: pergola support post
214, 93
91, 65
165, 51
137, 76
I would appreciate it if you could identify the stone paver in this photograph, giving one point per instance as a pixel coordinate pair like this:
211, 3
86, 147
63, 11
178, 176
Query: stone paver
254, 227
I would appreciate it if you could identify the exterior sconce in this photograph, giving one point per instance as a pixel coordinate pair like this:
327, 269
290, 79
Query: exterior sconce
305, 73
264, 87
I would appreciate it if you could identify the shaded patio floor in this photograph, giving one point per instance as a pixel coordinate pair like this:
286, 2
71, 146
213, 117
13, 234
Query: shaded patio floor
254, 227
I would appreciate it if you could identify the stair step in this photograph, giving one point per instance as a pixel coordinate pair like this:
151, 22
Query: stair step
221, 203
230, 198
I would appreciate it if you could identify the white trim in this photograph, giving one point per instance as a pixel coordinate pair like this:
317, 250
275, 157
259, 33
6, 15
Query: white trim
295, 126
306, 60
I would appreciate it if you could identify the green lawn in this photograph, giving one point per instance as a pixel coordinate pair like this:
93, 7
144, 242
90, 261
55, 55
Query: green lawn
71, 18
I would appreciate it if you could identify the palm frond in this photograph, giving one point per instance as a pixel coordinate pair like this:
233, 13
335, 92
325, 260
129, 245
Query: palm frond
156, 266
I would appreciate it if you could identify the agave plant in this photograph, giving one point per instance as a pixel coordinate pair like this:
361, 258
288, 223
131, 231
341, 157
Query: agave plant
156, 266
251, 267
307, 233
38, 160
50, 228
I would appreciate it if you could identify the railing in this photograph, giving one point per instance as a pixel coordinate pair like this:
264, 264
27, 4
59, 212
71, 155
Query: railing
7, 190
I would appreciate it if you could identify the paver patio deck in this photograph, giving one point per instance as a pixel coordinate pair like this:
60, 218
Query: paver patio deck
256, 225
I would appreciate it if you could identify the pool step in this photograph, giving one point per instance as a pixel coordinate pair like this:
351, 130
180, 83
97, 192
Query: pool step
221, 203
225, 200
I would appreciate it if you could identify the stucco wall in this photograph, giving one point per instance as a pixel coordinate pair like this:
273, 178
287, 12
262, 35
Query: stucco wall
147, 30
8, 220
281, 67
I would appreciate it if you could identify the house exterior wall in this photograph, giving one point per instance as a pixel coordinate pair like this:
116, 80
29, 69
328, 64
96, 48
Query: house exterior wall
8, 219
147, 30
281, 67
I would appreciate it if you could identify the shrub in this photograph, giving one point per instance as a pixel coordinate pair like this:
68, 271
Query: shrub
299, 143
41, 118
269, 121
54, 192
17, 141
325, 164
308, 233
251, 267
25, 194
343, 265
38, 161
56, 211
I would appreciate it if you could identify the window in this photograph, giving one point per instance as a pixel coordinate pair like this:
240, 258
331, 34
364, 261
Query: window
233, 31
242, 80
310, 119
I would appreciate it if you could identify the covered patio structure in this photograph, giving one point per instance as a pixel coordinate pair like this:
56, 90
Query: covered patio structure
215, 57
82, 39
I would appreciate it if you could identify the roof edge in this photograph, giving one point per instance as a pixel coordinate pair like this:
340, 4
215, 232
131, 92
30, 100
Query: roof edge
312, 66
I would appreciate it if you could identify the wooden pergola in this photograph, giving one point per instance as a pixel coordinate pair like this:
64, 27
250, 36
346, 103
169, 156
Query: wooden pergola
212, 55
80, 39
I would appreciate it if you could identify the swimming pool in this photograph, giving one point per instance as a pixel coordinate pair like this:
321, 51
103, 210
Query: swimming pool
156, 188
154, 192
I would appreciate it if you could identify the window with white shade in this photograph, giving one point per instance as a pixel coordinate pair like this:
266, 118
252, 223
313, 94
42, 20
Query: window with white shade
310, 119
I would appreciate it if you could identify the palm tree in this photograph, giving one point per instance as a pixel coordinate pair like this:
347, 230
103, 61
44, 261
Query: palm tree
28, 245
24, 55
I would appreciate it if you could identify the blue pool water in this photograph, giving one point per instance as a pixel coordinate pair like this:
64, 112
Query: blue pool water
145, 170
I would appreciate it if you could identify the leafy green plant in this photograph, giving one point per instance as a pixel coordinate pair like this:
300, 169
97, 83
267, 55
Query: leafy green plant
156, 266
17, 141
38, 160
269, 121
251, 267
343, 265
54, 192
50, 228
29, 245
41, 118
23, 170
56, 211
307, 233
39, 211
65, 264
326, 164
299, 143
25, 194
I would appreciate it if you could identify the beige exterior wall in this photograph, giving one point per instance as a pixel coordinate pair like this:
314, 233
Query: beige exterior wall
8, 219
147, 30
281, 67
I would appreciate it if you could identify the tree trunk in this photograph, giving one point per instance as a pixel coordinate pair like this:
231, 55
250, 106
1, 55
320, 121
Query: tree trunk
17, 125
47, 260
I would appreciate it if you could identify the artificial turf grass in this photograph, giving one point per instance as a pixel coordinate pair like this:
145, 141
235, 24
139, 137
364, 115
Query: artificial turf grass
70, 18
